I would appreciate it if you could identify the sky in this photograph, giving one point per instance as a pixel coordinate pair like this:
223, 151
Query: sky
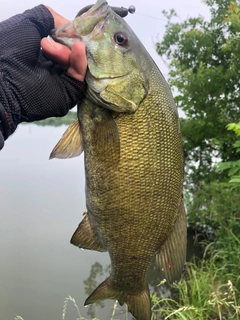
147, 22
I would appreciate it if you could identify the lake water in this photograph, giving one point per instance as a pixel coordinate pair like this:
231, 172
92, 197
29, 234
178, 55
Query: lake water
41, 205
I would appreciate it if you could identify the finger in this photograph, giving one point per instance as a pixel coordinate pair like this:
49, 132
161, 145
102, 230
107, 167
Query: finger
78, 61
57, 52
58, 19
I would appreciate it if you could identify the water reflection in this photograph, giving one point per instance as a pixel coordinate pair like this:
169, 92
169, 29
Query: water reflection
95, 278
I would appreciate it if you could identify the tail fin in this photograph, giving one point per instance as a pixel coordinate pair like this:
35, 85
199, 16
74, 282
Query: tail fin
138, 303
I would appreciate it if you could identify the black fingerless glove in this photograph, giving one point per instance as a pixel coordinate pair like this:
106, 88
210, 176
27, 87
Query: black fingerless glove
31, 86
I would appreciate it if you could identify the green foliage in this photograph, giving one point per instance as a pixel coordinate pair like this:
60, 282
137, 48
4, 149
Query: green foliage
204, 74
210, 289
201, 296
215, 211
56, 122
213, 207
233, 167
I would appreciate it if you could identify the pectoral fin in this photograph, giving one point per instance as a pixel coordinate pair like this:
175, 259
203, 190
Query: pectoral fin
172, 255
71, 143
85, 238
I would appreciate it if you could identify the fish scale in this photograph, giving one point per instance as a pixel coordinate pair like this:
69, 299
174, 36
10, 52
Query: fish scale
133, 157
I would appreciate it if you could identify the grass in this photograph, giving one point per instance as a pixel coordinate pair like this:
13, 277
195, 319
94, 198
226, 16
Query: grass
210, 288
70, 299
201, 295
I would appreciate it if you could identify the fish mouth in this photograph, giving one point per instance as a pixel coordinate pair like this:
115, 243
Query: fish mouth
69, 33
88, 21
66, 34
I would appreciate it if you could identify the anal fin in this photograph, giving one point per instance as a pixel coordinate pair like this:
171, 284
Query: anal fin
172, 255
85, 238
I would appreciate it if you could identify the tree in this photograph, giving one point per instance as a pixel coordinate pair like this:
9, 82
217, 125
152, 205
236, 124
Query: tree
205, 75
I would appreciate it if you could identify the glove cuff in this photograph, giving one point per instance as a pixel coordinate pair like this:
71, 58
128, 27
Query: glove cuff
4, 124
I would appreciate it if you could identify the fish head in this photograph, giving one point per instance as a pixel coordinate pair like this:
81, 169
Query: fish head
116, 69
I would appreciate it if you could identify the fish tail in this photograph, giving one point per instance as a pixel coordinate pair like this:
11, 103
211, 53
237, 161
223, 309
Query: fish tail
138, 303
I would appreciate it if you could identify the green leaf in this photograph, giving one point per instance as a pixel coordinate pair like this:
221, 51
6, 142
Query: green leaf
235, 179
224, 165
233, 171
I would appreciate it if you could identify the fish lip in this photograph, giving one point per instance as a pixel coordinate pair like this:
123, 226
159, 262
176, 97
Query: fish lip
61, 40
65, 34
55, 38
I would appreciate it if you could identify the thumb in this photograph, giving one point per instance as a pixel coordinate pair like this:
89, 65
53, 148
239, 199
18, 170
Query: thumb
78, 61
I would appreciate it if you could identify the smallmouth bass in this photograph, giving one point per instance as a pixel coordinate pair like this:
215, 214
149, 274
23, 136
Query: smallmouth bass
128, 127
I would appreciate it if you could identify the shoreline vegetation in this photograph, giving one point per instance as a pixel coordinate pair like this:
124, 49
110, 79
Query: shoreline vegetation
56, 122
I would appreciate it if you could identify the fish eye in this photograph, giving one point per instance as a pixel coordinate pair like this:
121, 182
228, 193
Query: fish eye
121, 38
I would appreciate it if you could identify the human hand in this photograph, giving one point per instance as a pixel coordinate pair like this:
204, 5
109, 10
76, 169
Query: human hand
73, 61
31, 86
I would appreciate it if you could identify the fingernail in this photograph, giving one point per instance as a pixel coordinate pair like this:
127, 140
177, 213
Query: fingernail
50, 41
54, 44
